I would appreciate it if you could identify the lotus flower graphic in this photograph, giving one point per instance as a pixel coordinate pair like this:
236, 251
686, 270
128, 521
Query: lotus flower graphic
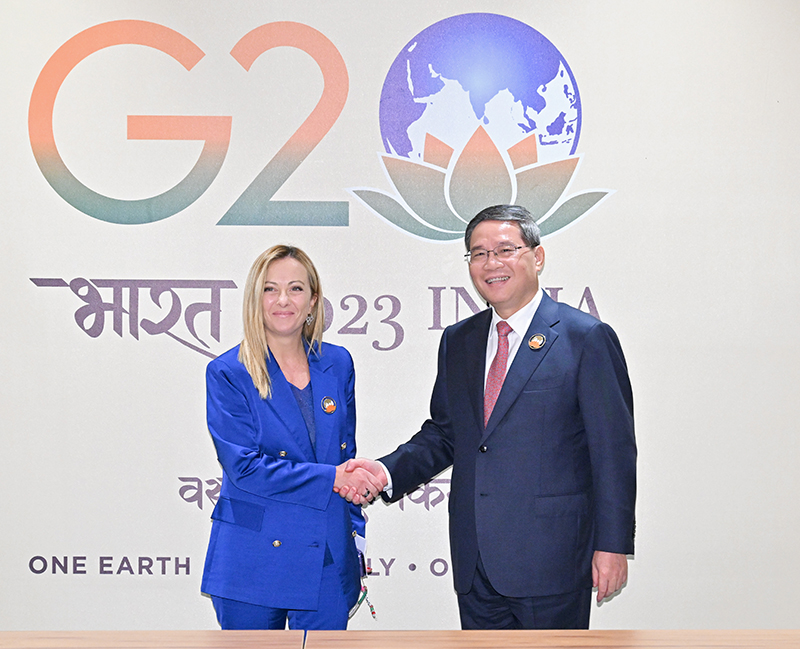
437, 196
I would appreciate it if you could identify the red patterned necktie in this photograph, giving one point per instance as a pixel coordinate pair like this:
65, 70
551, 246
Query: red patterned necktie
497, 371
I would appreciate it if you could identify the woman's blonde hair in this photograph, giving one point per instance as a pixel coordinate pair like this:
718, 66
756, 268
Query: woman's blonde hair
254, 349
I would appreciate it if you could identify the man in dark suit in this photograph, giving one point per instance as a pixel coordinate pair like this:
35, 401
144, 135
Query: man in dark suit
533, 409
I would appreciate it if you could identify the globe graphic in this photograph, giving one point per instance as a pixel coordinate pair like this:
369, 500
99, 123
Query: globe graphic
480, 69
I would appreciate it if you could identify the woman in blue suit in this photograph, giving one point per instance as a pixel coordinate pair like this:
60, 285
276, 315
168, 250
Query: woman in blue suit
281, 412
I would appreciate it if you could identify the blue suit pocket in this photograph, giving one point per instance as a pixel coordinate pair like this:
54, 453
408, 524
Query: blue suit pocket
239, 512
540, 383
562, 505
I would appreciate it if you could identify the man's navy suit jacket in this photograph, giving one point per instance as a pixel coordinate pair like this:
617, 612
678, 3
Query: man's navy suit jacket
552, 477
277, 510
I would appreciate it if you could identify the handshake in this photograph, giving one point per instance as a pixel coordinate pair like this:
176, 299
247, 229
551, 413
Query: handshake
360, 480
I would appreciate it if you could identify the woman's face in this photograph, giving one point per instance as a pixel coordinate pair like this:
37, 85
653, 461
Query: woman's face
287, 299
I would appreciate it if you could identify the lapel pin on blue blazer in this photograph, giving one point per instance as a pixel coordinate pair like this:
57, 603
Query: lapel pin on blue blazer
537, 341
328, 406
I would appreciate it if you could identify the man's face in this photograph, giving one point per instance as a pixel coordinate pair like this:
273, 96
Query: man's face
508, 284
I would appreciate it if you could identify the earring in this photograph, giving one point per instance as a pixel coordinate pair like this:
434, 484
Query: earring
309, 319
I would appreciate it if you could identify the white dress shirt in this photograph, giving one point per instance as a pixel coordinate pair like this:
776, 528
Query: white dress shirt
519, 323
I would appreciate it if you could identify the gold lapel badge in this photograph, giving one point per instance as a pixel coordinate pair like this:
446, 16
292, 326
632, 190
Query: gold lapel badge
537, 341
328, 406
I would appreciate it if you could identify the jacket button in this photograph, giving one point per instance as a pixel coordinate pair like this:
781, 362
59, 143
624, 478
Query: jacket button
276, 544
482, 448
343, 446
354, 534
282, 453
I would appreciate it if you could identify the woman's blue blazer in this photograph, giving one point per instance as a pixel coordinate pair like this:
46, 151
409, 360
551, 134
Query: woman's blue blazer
277, 511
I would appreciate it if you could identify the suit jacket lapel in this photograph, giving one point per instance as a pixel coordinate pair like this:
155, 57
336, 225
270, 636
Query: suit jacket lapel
324, 384
475, 362
526, 361
284, 404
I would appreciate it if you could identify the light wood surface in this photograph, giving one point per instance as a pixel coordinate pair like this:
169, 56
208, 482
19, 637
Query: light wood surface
757, 639
552, 639
151, 639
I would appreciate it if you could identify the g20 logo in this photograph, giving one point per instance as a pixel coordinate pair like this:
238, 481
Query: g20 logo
255, 205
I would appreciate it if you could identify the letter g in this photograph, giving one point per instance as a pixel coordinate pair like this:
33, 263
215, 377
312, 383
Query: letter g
214, 131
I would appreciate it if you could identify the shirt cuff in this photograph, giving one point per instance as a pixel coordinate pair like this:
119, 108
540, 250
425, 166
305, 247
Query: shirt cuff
388, 488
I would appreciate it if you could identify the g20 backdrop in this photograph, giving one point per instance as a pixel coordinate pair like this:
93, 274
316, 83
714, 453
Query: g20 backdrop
150, 150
